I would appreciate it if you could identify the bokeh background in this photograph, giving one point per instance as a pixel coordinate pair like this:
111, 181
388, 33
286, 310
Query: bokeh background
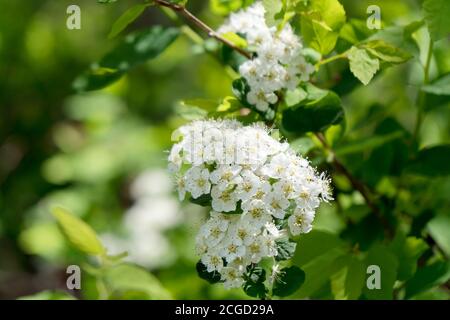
103, 153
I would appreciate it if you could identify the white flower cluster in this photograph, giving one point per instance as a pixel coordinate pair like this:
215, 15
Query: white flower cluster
279, 63
258, 188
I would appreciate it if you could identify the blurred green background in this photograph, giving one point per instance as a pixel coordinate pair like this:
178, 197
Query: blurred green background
103, 154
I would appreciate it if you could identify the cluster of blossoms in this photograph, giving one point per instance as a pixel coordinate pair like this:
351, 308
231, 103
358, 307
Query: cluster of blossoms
279, 62
260, 192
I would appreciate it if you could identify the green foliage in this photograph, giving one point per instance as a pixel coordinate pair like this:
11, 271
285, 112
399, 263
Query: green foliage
319, 110
438, 228
381, 256
136, 48
428, 277
440, 86
407, 250
126, 18
288, 281
431, 162
348, 282
78, 232
436, 15
124, 279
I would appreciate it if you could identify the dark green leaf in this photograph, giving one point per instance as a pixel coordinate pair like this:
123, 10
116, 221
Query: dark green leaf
126, 18
380, 256
431, 162
211, 277
136, 48
288, 281
428, 277
254, 283
317, 112
286, 249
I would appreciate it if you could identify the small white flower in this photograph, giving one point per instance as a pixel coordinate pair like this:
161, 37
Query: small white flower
223, 200
232, 249
277, 204
255, 213
232, 277
261, 99
197, 181
249, 185
300, 221
212, 261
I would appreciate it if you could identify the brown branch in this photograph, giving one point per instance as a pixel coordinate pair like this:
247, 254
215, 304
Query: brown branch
199, 23
358, 185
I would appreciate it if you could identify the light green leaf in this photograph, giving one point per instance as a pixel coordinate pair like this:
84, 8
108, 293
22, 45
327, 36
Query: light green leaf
224, 7
78, 232
386, 52
439, 229
436, 17
407, 250
440, 86
381, 256
288, 281
234, 38
272, 8
362, 65
428, 277
126, 18
318, 111
431, 162
347, 283
128, 277
320, 25
285, 248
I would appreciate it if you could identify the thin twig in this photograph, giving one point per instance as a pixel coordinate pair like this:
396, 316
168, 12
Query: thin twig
358, 185
199, 23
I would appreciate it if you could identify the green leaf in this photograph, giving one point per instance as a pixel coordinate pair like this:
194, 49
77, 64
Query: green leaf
407, 250
362, 65
440, 86
431, 162
347, 283
126, 18
380, 256
78, 232
211, 277
234, 38
224, 7
427, 277
386, 52
318, 111
254, 283
285, 248
436, 17
135, 49
272, 8
439, 229
320, 25
127, 277
367, 144
316, 254
204, 200
48, 295
288, 281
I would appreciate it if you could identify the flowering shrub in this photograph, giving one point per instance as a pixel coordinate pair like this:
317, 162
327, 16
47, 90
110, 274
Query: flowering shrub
260, 191
280, 69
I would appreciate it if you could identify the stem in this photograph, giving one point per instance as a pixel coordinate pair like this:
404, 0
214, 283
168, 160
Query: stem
331, 59
200, 24
422, 94
358, 185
